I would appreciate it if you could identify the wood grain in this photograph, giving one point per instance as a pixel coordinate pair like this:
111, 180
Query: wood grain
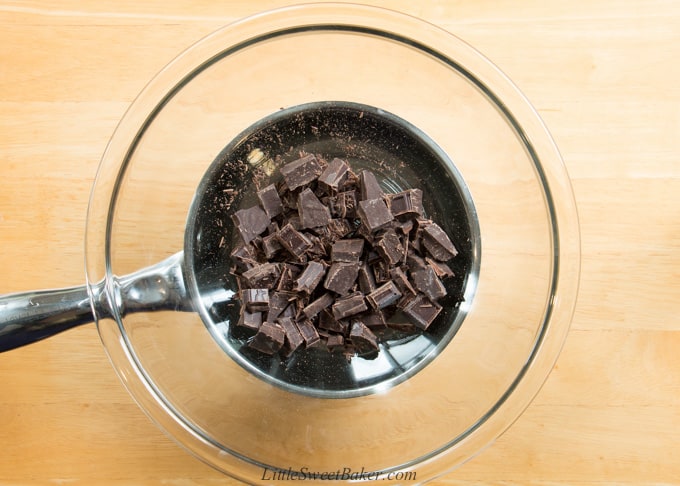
604, 76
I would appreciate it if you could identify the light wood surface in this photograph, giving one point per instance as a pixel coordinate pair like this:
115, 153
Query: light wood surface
605, 77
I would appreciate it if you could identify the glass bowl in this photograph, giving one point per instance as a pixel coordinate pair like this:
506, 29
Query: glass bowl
520, 286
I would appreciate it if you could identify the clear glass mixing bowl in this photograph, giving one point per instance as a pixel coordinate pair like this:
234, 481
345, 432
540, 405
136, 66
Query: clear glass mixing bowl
526, 284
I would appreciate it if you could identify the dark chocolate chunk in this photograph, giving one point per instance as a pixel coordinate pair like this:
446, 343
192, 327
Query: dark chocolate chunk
366, 279
278, 301
250, 222
301, 171
427, 282
341, 277
401, 281
374, 214
344, 205
250, 320
335, 341
347, 250
312, 212
370, 189
348, 306
268, 339
323, 302
270, 201
255, 300
270, 246
409, 202
310, 277
415, 262
293, 339
389, 247
334, 175
308, 332
287, 279
385, 295
374, 320
338, 228
422, 311
381, 271
330, 323
363, 338
263, 276
293, 241
243, 257
441, 269
437, 243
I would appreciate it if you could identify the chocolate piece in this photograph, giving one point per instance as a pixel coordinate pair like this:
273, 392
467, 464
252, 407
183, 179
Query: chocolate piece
270, 201
255, 300
323, 302
268, 339
409, 202
243, 257
348, 306
329, 322
374, 320
338, 228
287, 279
293, 339
301, 171
263, 276
370, 189
422, 311
250, 320
441, 269
335, 341
401, 281
363, 338
250, 222
344, 205
415, 262
270, 246
278, 302
437, 242
293, 241
334, 175
381, 271
427, 282
389, 247
341, 277
374, 214
347, 250
308, 332
312, 212
385, 295
366, 279
310, 277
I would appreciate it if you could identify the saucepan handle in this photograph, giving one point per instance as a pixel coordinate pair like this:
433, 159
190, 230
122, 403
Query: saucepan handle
28, 317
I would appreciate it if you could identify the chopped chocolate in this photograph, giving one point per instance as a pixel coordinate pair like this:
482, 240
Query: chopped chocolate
255, 300
427, 282
341, 277
250, 222
366, 279
323, 302
293, 241
293, 339
437, 243
348, 306
376, 255
312, 212
370, 189
268, 339
301, 172
270, 201
374, 214
385, 295
250, 320
263, 276
409, 202
334, 175
308, 332
363, 338
349, 250
389, 247
310, 277
422, 311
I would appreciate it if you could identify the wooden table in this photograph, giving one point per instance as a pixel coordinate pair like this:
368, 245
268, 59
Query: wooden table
603, 74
